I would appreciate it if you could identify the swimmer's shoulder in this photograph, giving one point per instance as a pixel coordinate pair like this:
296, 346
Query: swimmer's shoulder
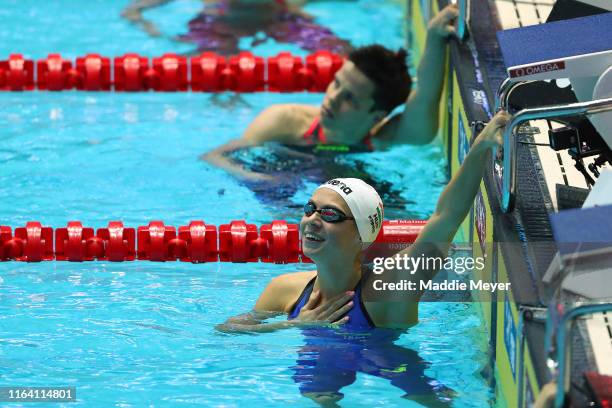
301, 117
283, 291
283, 123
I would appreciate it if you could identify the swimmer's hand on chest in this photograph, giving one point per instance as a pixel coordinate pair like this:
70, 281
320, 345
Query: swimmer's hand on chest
316, 312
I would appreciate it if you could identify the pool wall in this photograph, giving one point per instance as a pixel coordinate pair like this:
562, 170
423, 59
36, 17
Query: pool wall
468, 97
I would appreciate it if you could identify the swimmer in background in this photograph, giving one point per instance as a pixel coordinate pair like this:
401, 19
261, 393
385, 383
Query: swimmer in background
222, 23
342, 218
293, 170
356, 106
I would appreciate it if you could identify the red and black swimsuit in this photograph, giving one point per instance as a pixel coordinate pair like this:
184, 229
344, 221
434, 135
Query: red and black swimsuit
315, 137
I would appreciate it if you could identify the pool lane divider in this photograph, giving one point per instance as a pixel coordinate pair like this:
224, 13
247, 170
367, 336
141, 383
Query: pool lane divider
207, 72
198, 242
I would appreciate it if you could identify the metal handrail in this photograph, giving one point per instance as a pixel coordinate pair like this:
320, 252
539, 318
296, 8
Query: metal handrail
504, 92
561, 343
508, 177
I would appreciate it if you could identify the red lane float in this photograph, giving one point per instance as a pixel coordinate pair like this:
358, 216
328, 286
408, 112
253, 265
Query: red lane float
130, 72
71, 243
403, 231
207, 73
246, 73
9, 248
322, 66
94, 73
37, 242
286, 73
394, 236
201, 242
283, 242
16, 74
154, 242
238, 241
169, 73
55, 73
119, 243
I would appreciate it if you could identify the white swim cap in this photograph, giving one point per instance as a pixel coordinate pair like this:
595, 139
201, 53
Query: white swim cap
364, 202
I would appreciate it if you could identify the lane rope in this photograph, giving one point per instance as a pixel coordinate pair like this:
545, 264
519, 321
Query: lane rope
207, 72
197, 242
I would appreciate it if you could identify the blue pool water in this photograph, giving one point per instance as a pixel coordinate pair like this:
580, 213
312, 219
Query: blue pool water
140, 334
65, 26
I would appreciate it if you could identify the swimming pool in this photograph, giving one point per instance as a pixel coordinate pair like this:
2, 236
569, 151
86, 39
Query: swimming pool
141, 333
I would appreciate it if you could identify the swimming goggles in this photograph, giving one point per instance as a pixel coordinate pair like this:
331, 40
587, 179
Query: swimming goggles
327, 214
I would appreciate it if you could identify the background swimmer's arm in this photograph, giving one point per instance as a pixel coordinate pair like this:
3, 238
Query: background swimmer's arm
418, 124
133, 13
268, 126
218, 158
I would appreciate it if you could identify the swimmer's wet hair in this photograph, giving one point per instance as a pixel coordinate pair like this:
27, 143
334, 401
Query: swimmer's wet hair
389, 72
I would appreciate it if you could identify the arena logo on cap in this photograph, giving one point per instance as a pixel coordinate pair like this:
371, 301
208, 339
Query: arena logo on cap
343, 187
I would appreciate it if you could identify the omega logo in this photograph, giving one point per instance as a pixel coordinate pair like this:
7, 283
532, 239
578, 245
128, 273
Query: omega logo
537, 69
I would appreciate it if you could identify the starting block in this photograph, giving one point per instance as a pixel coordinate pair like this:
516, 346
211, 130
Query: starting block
579, 49
562, 49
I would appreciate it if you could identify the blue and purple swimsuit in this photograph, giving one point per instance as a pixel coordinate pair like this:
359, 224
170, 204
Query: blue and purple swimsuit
211, 33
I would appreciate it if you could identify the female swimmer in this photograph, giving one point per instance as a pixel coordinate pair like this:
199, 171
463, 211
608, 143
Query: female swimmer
341, 219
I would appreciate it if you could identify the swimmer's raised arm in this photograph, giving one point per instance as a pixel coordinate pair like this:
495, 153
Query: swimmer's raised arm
418, 124
452, 208
458, 197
